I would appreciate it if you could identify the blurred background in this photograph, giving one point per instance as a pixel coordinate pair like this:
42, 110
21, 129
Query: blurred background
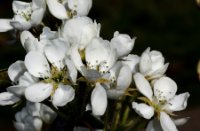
170, 26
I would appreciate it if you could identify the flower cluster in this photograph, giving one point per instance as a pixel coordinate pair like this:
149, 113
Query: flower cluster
74, 62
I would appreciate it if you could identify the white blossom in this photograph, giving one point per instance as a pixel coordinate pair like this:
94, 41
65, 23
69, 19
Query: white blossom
33, 116
159, 100
122, 43
54, 75
26, 15
65, 9
80, 30
152, 64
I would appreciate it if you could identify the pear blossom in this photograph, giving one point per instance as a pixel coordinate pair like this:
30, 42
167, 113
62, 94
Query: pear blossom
33, 116
161, 98
100, 57
66, 9
80, 30
30, 43
121, 77
122, 43
26, 15
132, 61
21, 79
54, 75
152, 64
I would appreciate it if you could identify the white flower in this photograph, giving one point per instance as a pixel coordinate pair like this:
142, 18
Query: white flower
152, 64
80, 30
161, 99
122, 43
30, 43
100, 55
26, 15
65, 9
132, 61
31, 117
54, 75
121, 78
21, 78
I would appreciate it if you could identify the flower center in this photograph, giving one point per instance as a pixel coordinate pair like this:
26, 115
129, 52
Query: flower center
57, 77
26, 13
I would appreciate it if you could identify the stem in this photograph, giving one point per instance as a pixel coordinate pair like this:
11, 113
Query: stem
116, 116
125, 116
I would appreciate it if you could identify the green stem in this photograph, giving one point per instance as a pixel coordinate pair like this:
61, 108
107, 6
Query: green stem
125, 115
116, 116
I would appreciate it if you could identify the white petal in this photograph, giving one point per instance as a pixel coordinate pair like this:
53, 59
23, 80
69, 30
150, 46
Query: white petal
166, 122
27, 79
48, 34
31, 44
37, 16
165, 89
38, 4
16, 70
5, 25
145, 64
115, 70
159, 72
71, 69
124, 78
25, 35
122, 43
17, 90
63, 95
108, 64
143, 85
143, 110
76, 58
57, 9
99, 52
47, 114
37, 64
154, 125
82, 7
132, 61
80, 30
179, 102
157, 59
98, 100
38, 92
7, 98
20, 6
181, 121
20, 23
55, 52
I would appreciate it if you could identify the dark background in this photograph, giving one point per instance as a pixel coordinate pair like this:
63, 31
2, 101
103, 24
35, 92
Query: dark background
170, 26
